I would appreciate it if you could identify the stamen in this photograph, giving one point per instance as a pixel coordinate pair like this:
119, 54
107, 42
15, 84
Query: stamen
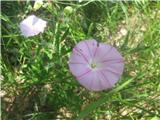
93, 65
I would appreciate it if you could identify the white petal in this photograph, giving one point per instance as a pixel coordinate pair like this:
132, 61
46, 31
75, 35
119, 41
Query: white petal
32, 25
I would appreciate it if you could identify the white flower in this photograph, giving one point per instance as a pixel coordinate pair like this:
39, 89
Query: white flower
32, 25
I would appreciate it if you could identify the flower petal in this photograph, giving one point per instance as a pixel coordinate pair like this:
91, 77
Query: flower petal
112, 54
32, 25
40, 25
94, 81
89, 81
83, 49
26, 30
112, 78
102, 51
108, 65
78, 69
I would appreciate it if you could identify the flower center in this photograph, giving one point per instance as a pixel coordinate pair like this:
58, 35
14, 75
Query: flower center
93, 65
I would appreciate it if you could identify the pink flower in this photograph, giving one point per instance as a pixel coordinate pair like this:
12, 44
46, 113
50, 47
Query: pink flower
32, 25
97, 66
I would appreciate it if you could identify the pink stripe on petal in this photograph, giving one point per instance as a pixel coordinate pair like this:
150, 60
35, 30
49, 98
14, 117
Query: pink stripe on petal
102, 49
106, 78
91, 81
112, 61
92, 45
95, 51
81, 46
82, 55
86, 80
84, 74
96, 82
112, 54
76, 63
111, 77
118, 68
78, 69
88, 48
103, 81
107, 52
116, 73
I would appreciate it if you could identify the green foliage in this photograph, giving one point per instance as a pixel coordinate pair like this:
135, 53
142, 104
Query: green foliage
36, 79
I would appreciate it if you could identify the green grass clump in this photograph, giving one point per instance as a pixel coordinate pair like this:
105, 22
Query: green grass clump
37, 83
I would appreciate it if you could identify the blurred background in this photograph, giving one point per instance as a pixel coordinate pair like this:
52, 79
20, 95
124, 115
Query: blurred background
36, 83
